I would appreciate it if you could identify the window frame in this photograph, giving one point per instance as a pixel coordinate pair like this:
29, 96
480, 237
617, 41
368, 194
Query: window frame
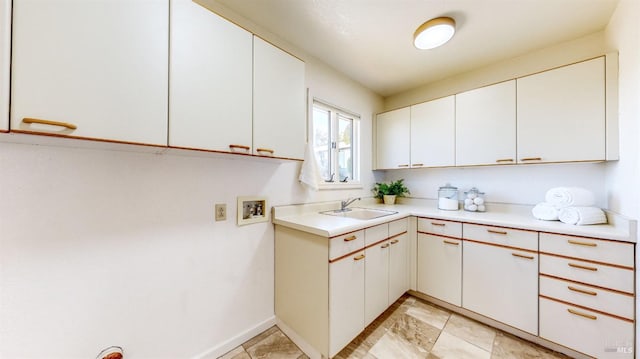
335, 113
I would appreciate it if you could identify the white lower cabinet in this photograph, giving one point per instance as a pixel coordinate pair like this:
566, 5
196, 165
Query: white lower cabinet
440, 267
376, 280
501, 283
346, 298
398, 267
586, 331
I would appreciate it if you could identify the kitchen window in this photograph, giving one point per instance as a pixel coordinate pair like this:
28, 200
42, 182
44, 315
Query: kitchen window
336, 142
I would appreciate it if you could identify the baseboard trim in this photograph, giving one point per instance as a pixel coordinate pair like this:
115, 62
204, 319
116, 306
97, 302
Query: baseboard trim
230, 344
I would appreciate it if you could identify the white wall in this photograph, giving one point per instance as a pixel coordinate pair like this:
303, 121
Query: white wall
103, 248
523, 184
623, 34
623, 178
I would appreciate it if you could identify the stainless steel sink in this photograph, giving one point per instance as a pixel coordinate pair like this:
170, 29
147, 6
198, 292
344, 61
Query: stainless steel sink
360, 213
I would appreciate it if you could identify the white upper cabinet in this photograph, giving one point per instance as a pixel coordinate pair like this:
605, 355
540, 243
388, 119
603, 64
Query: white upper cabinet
5, 51
433, 133
561, 114
279, 102
392, 134
96, 69
210, 94
486, 125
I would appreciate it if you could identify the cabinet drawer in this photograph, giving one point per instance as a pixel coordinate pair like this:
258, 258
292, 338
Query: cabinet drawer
619, 253
603, 300
438, 226
345, 244
376, 234
585, 331
587, 272
504, 236
399, 226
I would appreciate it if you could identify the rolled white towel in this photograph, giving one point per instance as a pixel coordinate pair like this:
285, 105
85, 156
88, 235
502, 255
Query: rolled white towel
545, 211
569, 197
582, 215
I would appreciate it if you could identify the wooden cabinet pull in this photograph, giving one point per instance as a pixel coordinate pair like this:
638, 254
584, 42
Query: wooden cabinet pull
437, 224
589, 316
386, 245
522, 256
350, 238
496, 232
267, 150
394, 241
582, 267
49, 122
531, 159
357, 258
417, 164
403, 165
451, 242
242, 147
588, 244
504, 160
582, 290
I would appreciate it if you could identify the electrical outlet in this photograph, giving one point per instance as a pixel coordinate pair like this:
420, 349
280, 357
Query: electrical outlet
221, 211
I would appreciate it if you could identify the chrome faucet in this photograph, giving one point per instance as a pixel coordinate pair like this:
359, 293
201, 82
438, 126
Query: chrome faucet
348, 201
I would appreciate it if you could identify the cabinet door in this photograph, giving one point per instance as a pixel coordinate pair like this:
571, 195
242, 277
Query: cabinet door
279, 110
504, 288
392, 139
561, 114
211, 81
346, 301
433, 133
5, 50
99, 65
398, 267
440, 267
376, 276
486, 125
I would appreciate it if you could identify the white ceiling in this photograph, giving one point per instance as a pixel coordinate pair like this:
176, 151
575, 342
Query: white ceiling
371, 40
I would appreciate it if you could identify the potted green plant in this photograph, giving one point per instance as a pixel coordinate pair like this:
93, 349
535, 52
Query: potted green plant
389, 191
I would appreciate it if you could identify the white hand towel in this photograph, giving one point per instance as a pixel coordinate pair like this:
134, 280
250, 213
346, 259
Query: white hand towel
582, 215
309, 174
545, 211
569, 197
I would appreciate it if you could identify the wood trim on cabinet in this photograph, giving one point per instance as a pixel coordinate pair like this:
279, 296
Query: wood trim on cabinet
501, 246
587, 308
384, 240
588, 261
587, 237
587, 285
440, 235
346, 255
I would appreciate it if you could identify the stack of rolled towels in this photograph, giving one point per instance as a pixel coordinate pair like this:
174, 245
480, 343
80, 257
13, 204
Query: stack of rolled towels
571, 205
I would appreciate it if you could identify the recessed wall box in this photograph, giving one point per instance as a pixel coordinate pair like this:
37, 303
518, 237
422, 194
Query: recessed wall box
252, 210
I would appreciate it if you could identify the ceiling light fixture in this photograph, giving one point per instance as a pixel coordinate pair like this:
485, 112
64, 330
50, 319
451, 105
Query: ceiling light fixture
434, 33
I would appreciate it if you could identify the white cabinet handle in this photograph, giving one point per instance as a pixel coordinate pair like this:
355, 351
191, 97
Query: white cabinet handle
49, 122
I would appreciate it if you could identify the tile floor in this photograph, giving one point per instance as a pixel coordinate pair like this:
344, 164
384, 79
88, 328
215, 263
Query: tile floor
410, 328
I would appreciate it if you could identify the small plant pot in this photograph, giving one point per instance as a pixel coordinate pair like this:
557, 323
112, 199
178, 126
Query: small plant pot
389, 199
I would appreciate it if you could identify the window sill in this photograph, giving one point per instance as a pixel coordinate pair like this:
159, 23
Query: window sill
339, 185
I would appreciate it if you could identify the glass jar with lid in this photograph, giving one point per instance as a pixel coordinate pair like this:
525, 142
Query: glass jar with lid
474, 200
448, 198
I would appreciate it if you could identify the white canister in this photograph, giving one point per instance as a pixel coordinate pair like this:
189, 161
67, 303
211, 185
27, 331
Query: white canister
448, 198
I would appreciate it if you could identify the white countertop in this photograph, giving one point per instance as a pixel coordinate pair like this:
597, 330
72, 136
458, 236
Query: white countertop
308, 219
